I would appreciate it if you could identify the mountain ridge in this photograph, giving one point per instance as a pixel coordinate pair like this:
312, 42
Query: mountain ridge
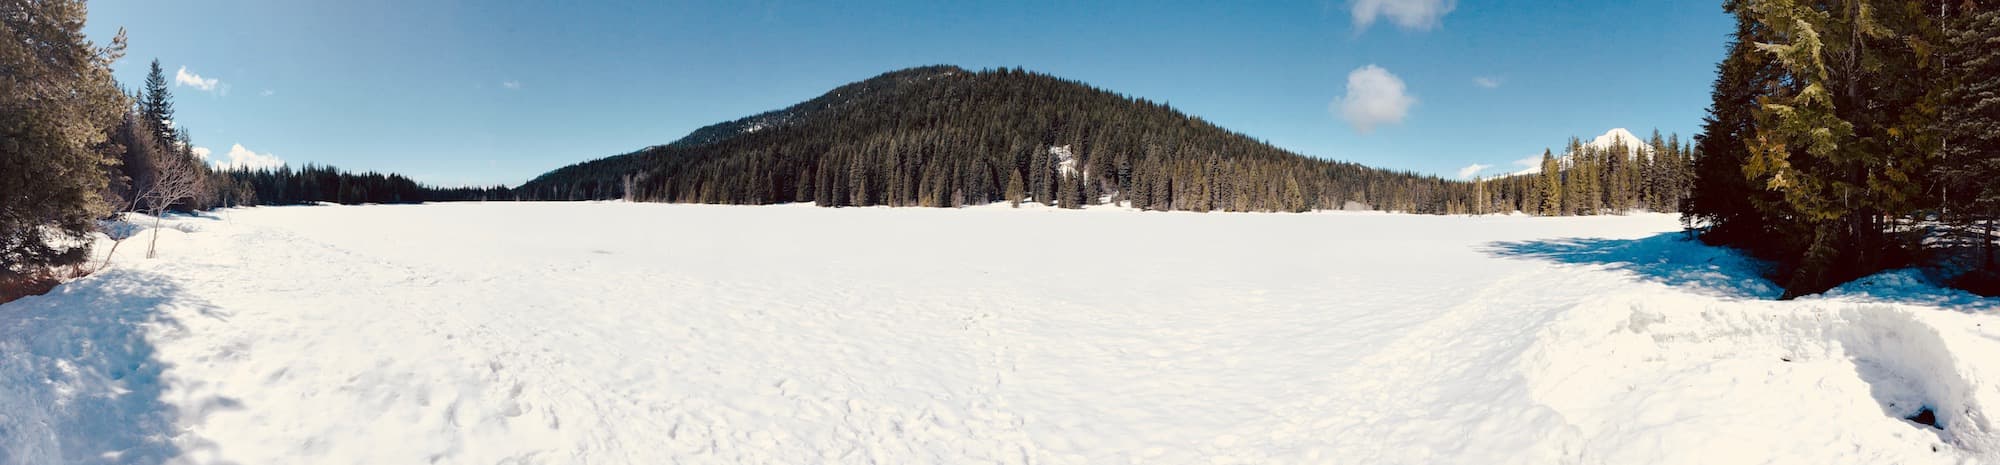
943, 136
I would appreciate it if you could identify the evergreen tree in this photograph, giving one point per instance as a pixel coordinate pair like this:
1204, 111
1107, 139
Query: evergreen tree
1015, 191
1721, 198
58, 103
1065, 192
157, 105
1550, 185
1824, 144
1971, 150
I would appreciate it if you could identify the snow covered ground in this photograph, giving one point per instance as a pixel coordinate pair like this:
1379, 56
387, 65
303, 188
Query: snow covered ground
647, 333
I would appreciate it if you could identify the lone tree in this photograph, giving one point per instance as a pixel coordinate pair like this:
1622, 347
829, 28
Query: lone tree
57, 103
177, 177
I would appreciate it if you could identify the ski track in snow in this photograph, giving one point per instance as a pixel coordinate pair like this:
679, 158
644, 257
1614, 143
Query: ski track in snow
622, 333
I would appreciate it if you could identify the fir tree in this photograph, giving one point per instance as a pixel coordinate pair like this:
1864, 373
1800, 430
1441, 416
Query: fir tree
1971, 119
60, 105
1015, 191
157, 105
1550, 185
1720, 197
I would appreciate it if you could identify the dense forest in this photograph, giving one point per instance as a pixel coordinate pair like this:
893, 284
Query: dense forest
1847, 137
1597, 178
315, 183
942, 136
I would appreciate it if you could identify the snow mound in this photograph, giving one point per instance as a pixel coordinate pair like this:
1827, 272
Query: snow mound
1674, 378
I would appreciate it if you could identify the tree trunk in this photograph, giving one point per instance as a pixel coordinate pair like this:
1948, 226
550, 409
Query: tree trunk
1986, 244
156, 235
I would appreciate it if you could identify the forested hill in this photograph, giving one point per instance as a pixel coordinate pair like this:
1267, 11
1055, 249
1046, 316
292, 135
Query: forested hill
945, 136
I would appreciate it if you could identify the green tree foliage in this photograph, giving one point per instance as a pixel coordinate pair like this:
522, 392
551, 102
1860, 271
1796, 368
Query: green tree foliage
1970, 116
1549, 185
944, 136
928, 136
57, 104
1825, 120
315, 183
156, 104
1723, 199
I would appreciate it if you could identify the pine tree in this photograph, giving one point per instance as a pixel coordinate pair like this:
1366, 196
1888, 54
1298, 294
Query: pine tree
1830, 142
59, 105
157, 105
1069, 190
1971, 120
1015, 191
1720, 197
1550, 184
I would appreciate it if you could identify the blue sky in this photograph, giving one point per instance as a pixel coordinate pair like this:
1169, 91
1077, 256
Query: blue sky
492, 92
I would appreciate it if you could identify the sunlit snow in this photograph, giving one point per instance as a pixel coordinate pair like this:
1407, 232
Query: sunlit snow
651, 333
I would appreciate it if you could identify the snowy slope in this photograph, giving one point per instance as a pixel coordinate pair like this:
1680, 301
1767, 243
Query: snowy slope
1533, 163
651, 333
1616, 136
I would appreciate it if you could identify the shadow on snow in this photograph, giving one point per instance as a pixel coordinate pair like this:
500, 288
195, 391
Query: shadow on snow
1669, 258
79, 378
1677, 260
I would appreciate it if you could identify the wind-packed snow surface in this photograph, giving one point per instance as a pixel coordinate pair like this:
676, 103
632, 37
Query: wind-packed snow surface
648, 333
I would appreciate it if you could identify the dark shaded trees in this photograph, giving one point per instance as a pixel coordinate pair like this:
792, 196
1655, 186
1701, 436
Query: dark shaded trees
317, 183
1970, 120
1828, 146
944, 136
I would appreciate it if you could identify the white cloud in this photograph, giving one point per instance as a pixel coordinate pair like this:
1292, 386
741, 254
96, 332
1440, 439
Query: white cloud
511, 84
267, 93
201, 152
242, 158
1486, 82
1469, 170
1530, 165
185, 78
1410, 14
1374, 97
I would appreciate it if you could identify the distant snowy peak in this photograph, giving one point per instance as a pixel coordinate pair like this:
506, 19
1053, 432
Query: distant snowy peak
1617, 135
1533, 163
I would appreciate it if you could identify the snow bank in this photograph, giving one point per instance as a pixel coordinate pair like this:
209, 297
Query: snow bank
1656, 377
640, 333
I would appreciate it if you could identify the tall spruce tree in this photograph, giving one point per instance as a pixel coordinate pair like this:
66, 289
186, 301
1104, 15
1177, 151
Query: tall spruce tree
1826, 142
1971, 122
1550, 185
1721, 198
156, 103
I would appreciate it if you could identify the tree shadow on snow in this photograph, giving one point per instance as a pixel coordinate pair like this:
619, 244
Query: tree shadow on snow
1677, 260
80, 381
1670, 258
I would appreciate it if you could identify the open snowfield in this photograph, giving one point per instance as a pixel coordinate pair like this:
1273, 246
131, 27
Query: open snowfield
647, 333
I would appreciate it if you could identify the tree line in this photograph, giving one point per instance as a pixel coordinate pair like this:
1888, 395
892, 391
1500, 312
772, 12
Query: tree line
942, 136
1845, 137
313, 183
76, 149
1592, 179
